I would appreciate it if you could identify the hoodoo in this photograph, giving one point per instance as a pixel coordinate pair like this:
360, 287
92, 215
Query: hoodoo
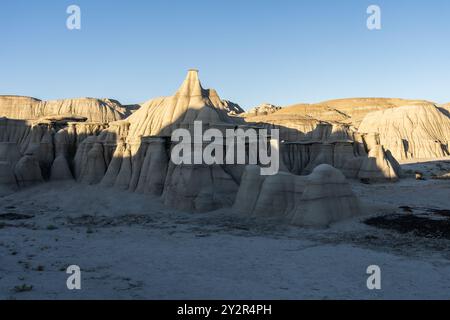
92, 142
316, 200
141, 160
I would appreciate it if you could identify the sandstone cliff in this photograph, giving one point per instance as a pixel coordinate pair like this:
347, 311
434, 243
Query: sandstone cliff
95, 110
416, 131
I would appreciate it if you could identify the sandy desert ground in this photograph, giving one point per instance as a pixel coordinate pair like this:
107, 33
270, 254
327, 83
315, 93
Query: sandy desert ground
146, 251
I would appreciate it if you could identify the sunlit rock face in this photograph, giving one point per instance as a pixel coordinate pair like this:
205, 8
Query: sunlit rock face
411, 132
99, 141
261, 110
406, 129
348, 112
140, 160
159, 117
94, 110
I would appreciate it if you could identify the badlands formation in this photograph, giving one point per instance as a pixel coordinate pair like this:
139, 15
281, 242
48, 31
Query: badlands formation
323, 148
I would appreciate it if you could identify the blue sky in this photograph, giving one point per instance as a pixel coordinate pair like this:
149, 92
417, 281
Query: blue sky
251, 51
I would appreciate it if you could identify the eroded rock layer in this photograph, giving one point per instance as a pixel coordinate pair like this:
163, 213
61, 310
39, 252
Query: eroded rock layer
417, 131
315, 200
96, 110
92, 142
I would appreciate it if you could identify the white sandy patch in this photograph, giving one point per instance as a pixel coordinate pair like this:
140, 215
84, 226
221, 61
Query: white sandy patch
129, 246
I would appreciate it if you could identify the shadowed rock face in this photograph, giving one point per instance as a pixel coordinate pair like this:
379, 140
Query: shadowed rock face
446, 109
375, 165
8, 183
141, 159
28, 171
316, 200
134, 154
9, 153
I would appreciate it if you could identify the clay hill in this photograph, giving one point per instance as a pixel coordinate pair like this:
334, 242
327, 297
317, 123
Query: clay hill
324, 146
350, 111
95, 110
411, 131
408, 129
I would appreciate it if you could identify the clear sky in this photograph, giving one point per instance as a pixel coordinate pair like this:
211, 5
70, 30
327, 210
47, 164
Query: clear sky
250, 51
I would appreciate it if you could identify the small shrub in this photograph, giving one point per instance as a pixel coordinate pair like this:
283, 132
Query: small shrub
23, 288
40, 268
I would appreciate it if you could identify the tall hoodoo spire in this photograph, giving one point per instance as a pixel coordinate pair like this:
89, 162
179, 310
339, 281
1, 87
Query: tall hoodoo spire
159, 117
191, 85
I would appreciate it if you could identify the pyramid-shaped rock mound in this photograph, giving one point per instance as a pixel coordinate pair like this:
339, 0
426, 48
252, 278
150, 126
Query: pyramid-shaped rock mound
159, 117
134, 154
